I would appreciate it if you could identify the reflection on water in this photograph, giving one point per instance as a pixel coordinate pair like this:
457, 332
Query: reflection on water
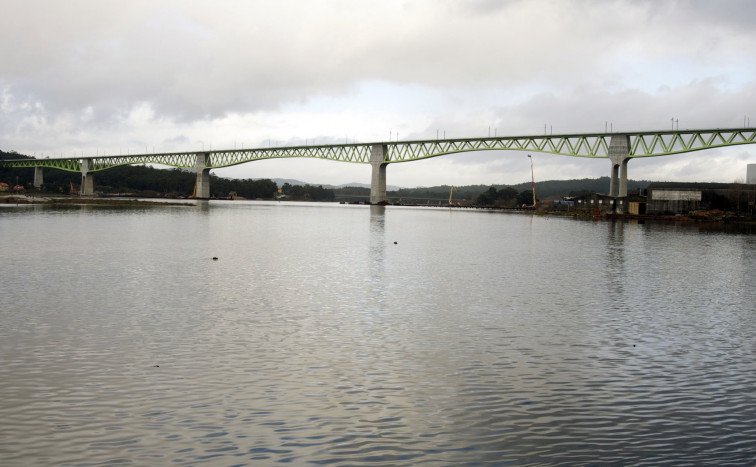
377, 270
354, 335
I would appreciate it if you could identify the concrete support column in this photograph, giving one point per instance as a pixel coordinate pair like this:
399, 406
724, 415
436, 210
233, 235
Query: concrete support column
38, 177
378, 179
202, 188
87, 180
619, 155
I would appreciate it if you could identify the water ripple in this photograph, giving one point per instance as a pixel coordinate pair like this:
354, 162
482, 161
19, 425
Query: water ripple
539, 343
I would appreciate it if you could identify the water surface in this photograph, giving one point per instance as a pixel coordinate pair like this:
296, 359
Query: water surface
355, 335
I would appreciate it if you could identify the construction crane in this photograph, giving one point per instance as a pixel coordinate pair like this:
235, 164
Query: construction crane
451, 192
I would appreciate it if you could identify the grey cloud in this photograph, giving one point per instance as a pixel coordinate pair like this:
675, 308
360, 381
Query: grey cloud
73, 70
699, 104
192, 63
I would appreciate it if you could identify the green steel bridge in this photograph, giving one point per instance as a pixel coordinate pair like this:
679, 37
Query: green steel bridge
619, 148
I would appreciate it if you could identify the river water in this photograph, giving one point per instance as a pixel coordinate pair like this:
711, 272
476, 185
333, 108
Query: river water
356, 335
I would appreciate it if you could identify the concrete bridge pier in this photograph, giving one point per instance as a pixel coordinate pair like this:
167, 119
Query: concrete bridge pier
202, 187
87, 180
38, 177
378, 179
619, 155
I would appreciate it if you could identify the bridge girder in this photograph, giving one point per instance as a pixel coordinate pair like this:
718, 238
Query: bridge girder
642, 144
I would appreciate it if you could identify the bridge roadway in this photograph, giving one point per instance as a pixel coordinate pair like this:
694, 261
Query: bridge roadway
619, 148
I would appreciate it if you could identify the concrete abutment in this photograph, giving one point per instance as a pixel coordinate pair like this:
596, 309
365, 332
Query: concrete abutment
39, 179
202, 186
619, 155
87, 180
378, 178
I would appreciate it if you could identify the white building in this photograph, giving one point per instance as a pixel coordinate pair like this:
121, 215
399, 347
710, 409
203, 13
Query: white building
751, 174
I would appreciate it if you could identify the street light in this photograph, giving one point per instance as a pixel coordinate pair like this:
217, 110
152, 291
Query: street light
532, 177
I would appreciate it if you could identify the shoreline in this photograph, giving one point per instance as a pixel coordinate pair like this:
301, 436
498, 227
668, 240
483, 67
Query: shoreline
706, 217
53, 200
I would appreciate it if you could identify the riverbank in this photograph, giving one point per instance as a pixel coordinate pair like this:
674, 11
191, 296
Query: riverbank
26, 199
709, 220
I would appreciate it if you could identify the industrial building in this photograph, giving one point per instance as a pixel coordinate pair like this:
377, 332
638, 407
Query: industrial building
671, 198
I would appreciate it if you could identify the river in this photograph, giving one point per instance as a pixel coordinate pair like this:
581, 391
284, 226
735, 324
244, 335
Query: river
254, 333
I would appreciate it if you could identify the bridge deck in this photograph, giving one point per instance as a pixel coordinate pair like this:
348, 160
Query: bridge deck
642, 144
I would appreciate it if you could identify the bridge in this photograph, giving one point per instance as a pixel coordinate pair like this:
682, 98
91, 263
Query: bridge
619, 148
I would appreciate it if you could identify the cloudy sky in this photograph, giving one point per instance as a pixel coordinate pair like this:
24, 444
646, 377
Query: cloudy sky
114, 77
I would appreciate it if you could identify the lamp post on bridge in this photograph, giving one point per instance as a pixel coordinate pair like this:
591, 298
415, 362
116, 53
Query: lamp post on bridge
532, 177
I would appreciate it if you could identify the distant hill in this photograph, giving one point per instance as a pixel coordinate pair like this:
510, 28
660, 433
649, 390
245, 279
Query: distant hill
290, 181
544, 189
556, 188
280, 182
13, 155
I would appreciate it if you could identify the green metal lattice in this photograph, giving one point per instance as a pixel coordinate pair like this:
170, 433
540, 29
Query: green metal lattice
642, 144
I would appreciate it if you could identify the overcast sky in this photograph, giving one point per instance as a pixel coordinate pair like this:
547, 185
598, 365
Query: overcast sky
115, 77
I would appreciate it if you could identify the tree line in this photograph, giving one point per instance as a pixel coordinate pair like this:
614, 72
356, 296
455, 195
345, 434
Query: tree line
506, 197
308, 192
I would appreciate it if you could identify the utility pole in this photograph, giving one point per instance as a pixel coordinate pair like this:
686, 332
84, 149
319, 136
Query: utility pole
532, 177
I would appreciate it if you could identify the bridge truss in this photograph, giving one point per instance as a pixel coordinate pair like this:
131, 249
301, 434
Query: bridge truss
642, 144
